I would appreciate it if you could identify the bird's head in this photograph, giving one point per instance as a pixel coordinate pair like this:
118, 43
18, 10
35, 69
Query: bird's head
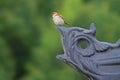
54, 13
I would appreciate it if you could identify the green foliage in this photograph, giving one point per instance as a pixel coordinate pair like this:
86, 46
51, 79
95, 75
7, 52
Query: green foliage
29, 41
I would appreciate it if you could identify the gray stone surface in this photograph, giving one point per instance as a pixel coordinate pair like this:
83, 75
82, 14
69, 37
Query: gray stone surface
99, 60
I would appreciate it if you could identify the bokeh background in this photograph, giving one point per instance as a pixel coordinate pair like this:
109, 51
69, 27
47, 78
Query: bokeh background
29, 41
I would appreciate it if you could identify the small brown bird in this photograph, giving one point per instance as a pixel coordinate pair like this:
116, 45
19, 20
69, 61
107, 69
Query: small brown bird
58, 19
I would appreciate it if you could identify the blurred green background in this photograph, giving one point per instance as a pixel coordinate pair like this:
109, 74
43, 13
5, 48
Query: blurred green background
29, 41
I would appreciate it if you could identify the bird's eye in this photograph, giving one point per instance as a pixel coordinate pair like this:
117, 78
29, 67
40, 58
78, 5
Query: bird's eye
83, 43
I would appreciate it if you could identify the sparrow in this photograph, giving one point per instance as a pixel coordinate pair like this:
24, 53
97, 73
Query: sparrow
58, 19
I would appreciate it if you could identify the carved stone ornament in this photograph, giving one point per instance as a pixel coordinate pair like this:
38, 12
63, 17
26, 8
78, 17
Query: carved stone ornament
98, 61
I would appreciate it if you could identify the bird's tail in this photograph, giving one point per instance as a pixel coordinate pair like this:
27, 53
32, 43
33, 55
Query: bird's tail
68, 24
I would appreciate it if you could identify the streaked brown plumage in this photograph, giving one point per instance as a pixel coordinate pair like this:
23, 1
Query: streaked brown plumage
58, 19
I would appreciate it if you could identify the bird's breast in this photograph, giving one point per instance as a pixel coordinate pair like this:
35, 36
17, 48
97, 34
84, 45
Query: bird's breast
58, 20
